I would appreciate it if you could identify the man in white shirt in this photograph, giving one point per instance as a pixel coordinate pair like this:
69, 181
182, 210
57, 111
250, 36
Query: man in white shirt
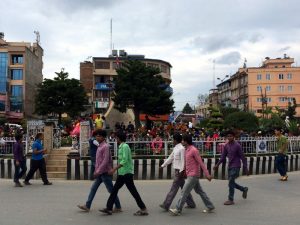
177, 157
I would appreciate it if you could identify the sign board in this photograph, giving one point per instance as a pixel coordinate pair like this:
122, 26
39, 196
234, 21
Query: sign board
261, 146
101, 105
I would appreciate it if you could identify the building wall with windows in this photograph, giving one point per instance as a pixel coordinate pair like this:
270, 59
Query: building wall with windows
276, 83
97, 76
20, 71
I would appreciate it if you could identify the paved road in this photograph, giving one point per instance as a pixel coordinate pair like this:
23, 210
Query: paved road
270, 202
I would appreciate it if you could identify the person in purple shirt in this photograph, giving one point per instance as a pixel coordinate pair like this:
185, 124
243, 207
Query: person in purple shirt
19, 160
103, 165
233, 151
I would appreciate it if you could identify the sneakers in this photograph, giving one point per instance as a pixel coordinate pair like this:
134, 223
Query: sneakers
26, 182
245, 192
163, 207
142, 212
174, 212
211, 210
83, 207
18, 184
229, 202
117, 210
106, 211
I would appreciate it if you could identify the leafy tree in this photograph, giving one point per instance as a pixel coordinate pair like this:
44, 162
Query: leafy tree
60, 95
187, 109
291, 110
202, 99
216, 118
267, 125
228, 110
241, 120
142, 89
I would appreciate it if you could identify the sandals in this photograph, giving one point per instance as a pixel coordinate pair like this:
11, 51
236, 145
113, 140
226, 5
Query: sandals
141, 213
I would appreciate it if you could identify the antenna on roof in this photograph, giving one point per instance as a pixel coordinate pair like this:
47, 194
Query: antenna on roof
111, 44
37, 34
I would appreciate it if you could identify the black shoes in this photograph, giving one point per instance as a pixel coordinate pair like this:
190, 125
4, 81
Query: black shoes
106, 211
26, 182
48, 183
245, 192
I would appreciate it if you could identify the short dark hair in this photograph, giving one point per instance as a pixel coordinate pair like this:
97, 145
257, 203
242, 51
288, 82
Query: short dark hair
230, 132
121, 135
38, 135
278, 128
100, 132
187, 138
18, 136
177, 137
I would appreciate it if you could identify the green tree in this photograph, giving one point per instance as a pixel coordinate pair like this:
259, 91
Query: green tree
241, 120
60, 95
291, 110
187, 109
142, 89
268, 125
228, 110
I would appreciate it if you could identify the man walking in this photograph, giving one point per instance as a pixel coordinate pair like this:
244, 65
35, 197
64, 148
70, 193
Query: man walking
102, 167
19, 160
38, 161
234, 152
193, 162
177, 157
125, 176
282, 147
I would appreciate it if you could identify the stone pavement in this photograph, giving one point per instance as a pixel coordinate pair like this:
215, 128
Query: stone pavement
270, 202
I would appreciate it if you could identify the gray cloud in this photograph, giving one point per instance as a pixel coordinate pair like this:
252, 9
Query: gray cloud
216, 42
229, 58
286, 48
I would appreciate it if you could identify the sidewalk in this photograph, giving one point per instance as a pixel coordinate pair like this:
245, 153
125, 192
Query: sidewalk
270, 202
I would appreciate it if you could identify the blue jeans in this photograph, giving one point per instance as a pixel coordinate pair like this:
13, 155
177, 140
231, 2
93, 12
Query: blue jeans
18, 173
107, 180
233, 173
280, 164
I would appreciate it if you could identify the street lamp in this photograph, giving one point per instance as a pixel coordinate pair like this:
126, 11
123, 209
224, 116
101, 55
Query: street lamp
223, 78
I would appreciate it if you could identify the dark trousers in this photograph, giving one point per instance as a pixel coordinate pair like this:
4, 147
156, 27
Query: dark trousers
178, 182
37, 165
126, 179
280, 164
233, 173
18, 174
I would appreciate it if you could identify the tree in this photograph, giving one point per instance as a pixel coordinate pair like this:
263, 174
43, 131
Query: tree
60, 95
187, 109
142, 89
228, 110
291, 110
241, 120
202, 99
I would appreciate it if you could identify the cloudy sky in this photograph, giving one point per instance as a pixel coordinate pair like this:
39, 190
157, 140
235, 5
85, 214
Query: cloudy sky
189, 34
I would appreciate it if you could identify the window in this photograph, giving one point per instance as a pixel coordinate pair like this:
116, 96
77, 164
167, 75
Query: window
268, 76
280, 76
16, 59
281, 88
282, 99
163, 68
258, 76
259, 88
2, 106
16, 99
17, 74
289, 76
3, 72
153, 65
268, 88
259, 99
102, 65
290, 88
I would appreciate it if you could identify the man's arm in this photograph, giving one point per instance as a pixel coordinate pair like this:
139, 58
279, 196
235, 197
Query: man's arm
169, 160
223, 157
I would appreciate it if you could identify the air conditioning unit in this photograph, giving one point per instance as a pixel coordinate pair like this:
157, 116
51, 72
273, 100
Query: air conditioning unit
114, 52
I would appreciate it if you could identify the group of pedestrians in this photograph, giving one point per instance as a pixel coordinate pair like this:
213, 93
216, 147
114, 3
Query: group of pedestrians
187, 163
37, 160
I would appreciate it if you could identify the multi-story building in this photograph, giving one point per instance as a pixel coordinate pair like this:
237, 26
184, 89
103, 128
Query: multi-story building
97, 76
224, 93
20, 71
274, 84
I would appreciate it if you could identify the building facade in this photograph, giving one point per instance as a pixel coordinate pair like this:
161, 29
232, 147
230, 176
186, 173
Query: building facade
274, 84
21, 67
97, 76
